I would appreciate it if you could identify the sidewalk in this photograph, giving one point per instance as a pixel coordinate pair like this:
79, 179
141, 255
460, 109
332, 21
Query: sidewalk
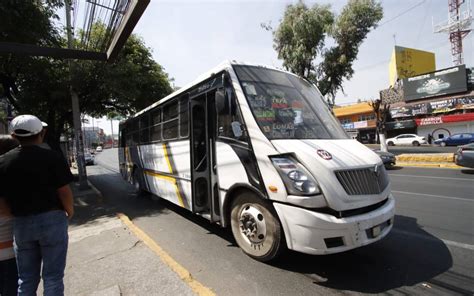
423, 159
106, 257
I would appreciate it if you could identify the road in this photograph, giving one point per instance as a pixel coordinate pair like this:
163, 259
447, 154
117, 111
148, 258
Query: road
429, 251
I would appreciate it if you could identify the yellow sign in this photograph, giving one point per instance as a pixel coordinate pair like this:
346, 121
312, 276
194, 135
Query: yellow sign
409, 62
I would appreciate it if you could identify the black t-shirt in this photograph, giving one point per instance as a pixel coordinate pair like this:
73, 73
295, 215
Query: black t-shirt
30, 177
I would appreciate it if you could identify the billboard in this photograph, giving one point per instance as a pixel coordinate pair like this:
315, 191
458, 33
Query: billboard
442, 82
408, 62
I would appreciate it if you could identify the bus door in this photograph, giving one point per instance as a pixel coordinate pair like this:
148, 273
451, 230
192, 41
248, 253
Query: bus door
205, 187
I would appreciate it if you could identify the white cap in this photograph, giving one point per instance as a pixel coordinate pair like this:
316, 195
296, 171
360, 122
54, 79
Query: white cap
26, 125
44, 124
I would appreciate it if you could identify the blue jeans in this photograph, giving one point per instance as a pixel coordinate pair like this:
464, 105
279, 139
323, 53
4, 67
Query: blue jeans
41, 238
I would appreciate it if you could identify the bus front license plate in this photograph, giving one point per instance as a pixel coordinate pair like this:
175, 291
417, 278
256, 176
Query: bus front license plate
376, 231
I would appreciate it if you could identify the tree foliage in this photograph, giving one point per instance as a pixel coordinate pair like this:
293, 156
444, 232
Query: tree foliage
316, 44
41, 85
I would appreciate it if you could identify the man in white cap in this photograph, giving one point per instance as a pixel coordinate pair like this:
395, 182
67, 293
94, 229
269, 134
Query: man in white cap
35, 184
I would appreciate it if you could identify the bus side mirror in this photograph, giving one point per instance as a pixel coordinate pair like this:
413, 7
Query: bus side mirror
220, 100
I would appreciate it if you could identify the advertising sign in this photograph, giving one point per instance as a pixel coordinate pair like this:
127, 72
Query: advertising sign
400, 124
360, 124
465, 103
420, 109
405, 111
348, 126
445, 119
443, 106
408, 62
447, 81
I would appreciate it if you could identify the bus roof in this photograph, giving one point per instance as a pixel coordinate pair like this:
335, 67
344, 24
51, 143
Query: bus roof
221, 67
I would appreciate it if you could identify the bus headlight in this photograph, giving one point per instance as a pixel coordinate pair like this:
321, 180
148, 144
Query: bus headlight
297, 179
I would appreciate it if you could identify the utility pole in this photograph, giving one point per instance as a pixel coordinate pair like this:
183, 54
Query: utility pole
76, 114
112, 131
458, 26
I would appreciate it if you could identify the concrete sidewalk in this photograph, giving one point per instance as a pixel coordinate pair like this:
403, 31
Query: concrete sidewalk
106, 257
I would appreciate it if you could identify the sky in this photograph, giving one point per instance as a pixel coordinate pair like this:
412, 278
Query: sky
189, 38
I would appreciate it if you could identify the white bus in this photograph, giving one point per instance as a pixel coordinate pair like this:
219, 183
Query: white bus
258, 149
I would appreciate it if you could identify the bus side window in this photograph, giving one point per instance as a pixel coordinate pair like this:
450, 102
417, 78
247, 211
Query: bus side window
170, 121
156, 125
229, 119
183, 117
145, 128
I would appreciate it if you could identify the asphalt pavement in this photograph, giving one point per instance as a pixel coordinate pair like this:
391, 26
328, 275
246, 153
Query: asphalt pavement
429, 251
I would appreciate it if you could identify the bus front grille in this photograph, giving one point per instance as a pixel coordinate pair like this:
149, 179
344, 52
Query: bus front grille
371, 180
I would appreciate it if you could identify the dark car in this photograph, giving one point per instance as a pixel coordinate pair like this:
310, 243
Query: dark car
388, 159
465, 156
88, 158
456, 140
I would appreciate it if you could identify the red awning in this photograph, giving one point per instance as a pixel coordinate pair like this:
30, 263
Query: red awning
445, 119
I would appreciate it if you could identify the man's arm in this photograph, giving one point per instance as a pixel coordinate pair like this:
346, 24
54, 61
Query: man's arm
65, 196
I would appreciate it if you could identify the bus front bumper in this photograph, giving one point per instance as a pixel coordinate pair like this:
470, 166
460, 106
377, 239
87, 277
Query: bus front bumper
317, 233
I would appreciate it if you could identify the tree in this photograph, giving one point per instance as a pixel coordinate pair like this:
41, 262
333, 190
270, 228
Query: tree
300, 41
28, 22
40, 85
382, 112
132, 82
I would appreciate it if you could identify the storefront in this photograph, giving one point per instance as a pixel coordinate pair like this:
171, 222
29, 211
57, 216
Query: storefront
445, 125
363, 131
395, 128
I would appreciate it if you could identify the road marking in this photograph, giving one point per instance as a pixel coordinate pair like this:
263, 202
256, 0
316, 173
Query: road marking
447, 242
432, 177
433, 195
182, 272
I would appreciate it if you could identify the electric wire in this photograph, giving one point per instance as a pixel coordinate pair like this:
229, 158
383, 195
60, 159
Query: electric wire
402, 13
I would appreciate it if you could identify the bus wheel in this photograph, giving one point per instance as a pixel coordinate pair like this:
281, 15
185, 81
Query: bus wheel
137, 187
256, 228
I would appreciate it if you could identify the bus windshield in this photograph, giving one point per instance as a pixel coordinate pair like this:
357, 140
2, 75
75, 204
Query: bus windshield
286, 106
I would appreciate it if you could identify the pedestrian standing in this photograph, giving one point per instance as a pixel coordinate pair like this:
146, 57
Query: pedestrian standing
35, 184
8, 270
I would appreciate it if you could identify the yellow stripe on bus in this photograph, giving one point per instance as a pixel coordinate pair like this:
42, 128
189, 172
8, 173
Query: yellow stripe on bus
167, 159
169, 179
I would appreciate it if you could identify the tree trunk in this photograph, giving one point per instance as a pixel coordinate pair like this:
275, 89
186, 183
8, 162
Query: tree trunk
383, 144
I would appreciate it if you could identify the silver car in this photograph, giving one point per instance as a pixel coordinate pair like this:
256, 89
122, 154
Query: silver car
465, 156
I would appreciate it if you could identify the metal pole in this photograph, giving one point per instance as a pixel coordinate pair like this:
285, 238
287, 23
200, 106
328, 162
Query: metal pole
76, 114
112, 131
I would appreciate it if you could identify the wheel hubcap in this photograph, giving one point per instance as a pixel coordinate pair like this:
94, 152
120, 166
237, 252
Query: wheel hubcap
252, 225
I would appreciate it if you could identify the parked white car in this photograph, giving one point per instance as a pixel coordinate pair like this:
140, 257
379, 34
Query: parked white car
406, 139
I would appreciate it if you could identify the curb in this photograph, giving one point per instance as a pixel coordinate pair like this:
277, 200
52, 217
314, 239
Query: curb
197, 287
429, 165
432, 157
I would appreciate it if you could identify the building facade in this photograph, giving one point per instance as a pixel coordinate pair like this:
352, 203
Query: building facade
434, 105
358, 120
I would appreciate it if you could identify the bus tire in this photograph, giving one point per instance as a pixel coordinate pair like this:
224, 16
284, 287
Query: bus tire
137, 187
256, 227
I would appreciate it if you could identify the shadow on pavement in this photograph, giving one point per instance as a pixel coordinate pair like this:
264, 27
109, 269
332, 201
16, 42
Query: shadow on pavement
90, 207
397, 261
394, 168
468, 171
